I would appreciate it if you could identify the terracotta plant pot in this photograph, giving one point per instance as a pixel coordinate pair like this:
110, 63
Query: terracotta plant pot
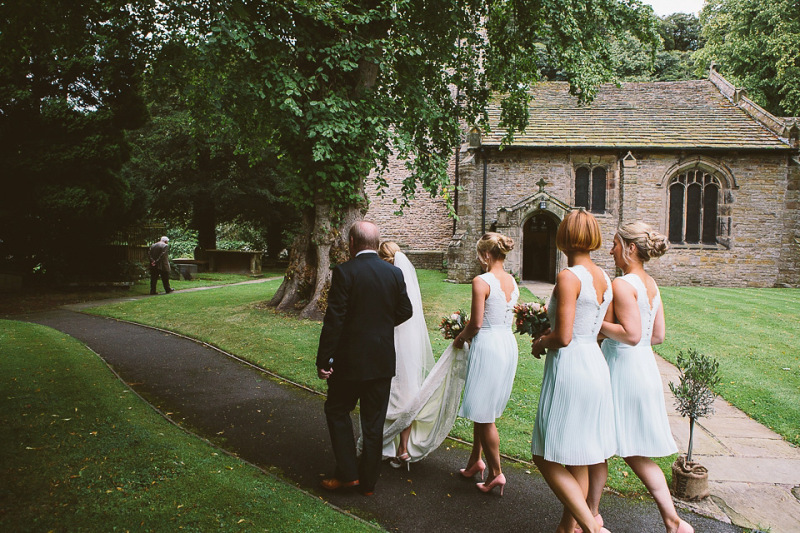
689, 480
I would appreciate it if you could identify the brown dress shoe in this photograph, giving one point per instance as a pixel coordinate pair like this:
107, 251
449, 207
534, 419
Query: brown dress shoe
334, 484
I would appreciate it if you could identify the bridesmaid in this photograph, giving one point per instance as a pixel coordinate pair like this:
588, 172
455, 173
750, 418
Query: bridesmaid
635, 322
575, 419
492, 359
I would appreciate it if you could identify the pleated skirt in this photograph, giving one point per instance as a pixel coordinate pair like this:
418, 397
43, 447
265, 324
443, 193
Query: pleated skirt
491, 368
575, 419
640, 414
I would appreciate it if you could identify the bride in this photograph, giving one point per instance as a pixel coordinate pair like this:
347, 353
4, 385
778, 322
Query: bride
425, 396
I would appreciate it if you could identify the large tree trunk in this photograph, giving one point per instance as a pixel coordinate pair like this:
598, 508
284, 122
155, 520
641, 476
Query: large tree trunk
331, 247
291, 290
205, 222
321, 243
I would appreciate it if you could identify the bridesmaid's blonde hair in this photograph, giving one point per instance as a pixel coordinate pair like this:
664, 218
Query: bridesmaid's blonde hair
495, 244
649, 243
387, 249
579, 232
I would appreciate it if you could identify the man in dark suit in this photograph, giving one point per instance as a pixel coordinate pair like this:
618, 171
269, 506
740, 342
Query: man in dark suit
367, 299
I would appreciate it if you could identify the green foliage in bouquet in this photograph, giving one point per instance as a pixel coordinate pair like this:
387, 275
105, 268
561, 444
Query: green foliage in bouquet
531, 318
694, 394
453, 324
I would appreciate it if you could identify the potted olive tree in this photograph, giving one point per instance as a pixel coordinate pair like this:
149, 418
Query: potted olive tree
694, 397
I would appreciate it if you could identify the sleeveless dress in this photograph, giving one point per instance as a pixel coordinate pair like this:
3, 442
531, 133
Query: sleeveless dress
575, 419
639, 411
492, 360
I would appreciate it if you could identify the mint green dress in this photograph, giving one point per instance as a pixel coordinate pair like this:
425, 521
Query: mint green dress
575, 419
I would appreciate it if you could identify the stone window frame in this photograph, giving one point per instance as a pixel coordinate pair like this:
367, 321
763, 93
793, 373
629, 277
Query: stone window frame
591, 192
712, 172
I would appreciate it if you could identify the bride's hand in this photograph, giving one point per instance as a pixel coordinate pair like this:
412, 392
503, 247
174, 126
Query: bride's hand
458, 342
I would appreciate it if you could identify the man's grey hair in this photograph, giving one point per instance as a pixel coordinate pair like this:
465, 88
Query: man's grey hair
165, 239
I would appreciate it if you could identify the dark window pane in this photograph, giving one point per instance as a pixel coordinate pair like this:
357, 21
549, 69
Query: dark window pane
599, 190
676, 213
582, 187
710, 199
694, 193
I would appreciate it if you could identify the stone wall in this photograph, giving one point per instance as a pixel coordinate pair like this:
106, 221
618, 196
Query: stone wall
789, 272
761, 200
424, 225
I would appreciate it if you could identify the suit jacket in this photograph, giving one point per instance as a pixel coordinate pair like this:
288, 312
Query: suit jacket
160, 250
367, 299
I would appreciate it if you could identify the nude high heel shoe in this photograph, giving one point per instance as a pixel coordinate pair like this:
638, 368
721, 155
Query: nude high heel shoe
479, 465
499, 481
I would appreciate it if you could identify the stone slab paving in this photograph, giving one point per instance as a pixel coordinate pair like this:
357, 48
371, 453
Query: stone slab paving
754, 474
751, 469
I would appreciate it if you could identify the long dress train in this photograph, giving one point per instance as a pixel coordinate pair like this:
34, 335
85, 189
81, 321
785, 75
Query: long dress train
424, 395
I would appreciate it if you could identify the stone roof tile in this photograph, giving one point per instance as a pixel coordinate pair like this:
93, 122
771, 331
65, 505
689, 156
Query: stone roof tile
682, 114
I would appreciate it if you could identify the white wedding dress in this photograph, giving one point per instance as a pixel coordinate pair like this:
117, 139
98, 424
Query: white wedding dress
424, 395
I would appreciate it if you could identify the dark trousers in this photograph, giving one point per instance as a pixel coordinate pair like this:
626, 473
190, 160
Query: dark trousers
374, 399
154, 275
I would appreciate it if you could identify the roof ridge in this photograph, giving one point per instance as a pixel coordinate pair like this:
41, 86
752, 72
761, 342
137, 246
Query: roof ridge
738, 96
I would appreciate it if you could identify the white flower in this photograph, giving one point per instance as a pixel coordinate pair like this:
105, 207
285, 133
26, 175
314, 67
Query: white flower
455, 317
536, 307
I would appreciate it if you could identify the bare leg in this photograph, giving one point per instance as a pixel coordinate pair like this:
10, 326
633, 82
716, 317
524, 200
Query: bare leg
653, 478
402, 449
598, 474
490, 441
572, 494
477, 447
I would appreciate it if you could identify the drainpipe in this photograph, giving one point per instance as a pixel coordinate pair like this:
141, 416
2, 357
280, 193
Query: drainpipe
483, 210
455, 190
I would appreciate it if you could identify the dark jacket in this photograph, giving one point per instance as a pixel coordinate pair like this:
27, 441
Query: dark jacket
159, 253
367, 299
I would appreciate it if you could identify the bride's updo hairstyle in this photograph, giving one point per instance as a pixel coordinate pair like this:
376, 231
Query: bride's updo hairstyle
649, 243
494, 244
386, 251
578, 232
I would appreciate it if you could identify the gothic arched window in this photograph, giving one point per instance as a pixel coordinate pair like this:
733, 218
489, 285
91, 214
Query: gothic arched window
590, 188
693, 204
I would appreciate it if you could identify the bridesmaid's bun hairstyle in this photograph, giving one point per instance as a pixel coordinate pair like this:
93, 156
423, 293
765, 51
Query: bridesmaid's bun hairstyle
386, 251
579, 232
649, 243
495, 244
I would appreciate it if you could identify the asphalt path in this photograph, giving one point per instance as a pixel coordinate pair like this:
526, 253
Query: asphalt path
281, 428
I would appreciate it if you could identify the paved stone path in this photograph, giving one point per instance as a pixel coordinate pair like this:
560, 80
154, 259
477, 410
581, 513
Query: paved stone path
754, 475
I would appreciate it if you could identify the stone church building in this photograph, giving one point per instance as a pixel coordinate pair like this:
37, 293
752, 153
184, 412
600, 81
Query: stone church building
697, 160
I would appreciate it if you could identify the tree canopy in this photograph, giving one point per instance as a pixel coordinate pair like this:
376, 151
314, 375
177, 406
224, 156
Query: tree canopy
69, 86
337, 88
756, 45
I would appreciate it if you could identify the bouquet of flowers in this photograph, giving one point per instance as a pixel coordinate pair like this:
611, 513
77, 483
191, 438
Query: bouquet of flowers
453, 324
531, 318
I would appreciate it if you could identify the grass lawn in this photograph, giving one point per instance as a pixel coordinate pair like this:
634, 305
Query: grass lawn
754, 335
237, 320
37, 299
81, 452
204, 279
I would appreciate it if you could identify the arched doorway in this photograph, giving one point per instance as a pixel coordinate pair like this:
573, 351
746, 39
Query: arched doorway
539, 248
